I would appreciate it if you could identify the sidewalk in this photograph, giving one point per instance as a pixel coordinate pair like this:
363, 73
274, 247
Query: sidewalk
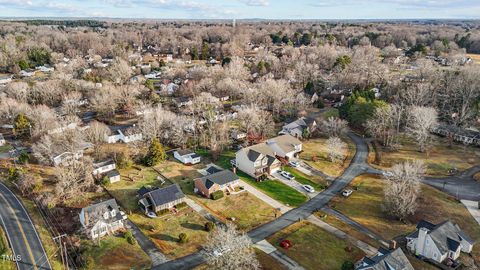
369, 250
472, 207
262, 196
277, 255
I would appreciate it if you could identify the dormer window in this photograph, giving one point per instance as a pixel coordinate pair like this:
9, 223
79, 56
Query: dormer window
105, 215
113, 212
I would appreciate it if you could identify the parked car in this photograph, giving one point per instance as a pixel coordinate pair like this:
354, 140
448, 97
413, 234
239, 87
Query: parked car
308, 188
347, 192
287, 175
294, 164
151, 215
387, 174
233, 162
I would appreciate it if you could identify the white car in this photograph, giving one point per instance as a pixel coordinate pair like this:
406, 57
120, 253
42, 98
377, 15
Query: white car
294, 164
387, 174
287, 175
347, 192
308, 188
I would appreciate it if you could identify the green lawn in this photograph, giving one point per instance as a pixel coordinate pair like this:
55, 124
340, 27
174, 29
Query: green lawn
315, 248
114, 253
277, 190
316, 182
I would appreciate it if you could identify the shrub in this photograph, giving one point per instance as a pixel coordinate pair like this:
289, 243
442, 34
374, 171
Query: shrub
347, 265
105, 180
129, 237
217, 195
163, 211
181, 205
209, 226
183, 238
23, 158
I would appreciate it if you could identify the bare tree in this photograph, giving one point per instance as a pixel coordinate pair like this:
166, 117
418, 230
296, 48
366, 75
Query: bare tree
420, 122
228, 249
96, 132
402, 188
384, 124
73, 179
334, 126
255, 121
336, 149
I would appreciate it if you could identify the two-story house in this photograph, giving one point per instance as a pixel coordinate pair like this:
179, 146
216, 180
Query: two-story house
439, 242
102, 218
262, 159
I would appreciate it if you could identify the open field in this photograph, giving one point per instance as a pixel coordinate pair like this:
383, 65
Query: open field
248, 211
164, 231
314, 248
439, 160
434, 206
114, 253
316, 155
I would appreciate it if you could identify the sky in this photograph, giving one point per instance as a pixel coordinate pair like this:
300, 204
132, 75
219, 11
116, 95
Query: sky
245, 9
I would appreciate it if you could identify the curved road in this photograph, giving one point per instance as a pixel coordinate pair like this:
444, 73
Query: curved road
21, 233
357, 167
462, 186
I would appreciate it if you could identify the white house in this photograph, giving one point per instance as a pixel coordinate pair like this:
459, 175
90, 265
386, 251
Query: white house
102, 218
5, 79
113, 176
153, 75
66, 158
439, 242
103, 167
62, 129
45, 68
126, 137
298, 127
263, 158
27, 72
187, 156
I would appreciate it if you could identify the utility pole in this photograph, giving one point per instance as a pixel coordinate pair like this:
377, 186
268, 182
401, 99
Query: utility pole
63, 250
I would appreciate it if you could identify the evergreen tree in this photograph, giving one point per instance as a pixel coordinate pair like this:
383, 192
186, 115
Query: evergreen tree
156, 153
22, 125
205, 51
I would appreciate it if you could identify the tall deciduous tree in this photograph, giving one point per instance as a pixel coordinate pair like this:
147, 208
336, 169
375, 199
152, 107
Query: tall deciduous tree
336, 149
421, 120
229, 249
402, 189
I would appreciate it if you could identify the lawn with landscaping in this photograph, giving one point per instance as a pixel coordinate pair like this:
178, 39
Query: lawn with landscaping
114, 253
315, 154
246, 210
315, 248
164, 231
433, 206
439, 160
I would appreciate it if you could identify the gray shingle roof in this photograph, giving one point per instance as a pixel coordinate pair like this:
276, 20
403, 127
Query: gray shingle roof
220, 178
94, 212
386, 260
165, 195
446, 235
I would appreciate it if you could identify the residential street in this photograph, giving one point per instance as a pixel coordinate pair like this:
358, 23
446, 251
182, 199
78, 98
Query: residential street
21, 233
357, 167
462, 186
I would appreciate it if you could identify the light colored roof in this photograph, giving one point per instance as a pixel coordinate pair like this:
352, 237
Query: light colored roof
285, 142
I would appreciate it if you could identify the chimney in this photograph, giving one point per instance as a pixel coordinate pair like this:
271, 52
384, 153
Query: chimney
392, 245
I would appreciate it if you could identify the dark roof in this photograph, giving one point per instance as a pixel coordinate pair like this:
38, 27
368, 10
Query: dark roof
144, 190
95, 212
386, 260
253, 155
113, 173
165, 195
452, 244
103, 163
195, 155
184, 152
220, 178
212, 169
425, 224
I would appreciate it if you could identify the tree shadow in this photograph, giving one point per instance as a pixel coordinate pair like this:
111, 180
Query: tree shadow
165, 237
192, 226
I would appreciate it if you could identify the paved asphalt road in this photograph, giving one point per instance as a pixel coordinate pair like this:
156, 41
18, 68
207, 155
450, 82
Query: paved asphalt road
461, 186
21, 233
358, 166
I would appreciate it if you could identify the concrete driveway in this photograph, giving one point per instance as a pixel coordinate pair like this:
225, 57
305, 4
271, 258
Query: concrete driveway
294, 184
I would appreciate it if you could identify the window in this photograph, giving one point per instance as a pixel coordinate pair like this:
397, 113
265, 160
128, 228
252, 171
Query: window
427, 242
435, 255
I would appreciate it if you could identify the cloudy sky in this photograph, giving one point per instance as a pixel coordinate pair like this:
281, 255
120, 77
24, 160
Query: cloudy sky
227, 9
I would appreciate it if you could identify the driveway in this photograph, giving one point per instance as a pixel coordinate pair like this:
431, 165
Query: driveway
294, 184
357, 167
146, 244
21, 233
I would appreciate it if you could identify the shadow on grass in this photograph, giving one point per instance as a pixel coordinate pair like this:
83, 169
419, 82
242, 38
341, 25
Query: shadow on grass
165, 237
192, 226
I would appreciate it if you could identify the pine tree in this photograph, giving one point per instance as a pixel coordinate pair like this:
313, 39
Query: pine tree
156, 153
21, 126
